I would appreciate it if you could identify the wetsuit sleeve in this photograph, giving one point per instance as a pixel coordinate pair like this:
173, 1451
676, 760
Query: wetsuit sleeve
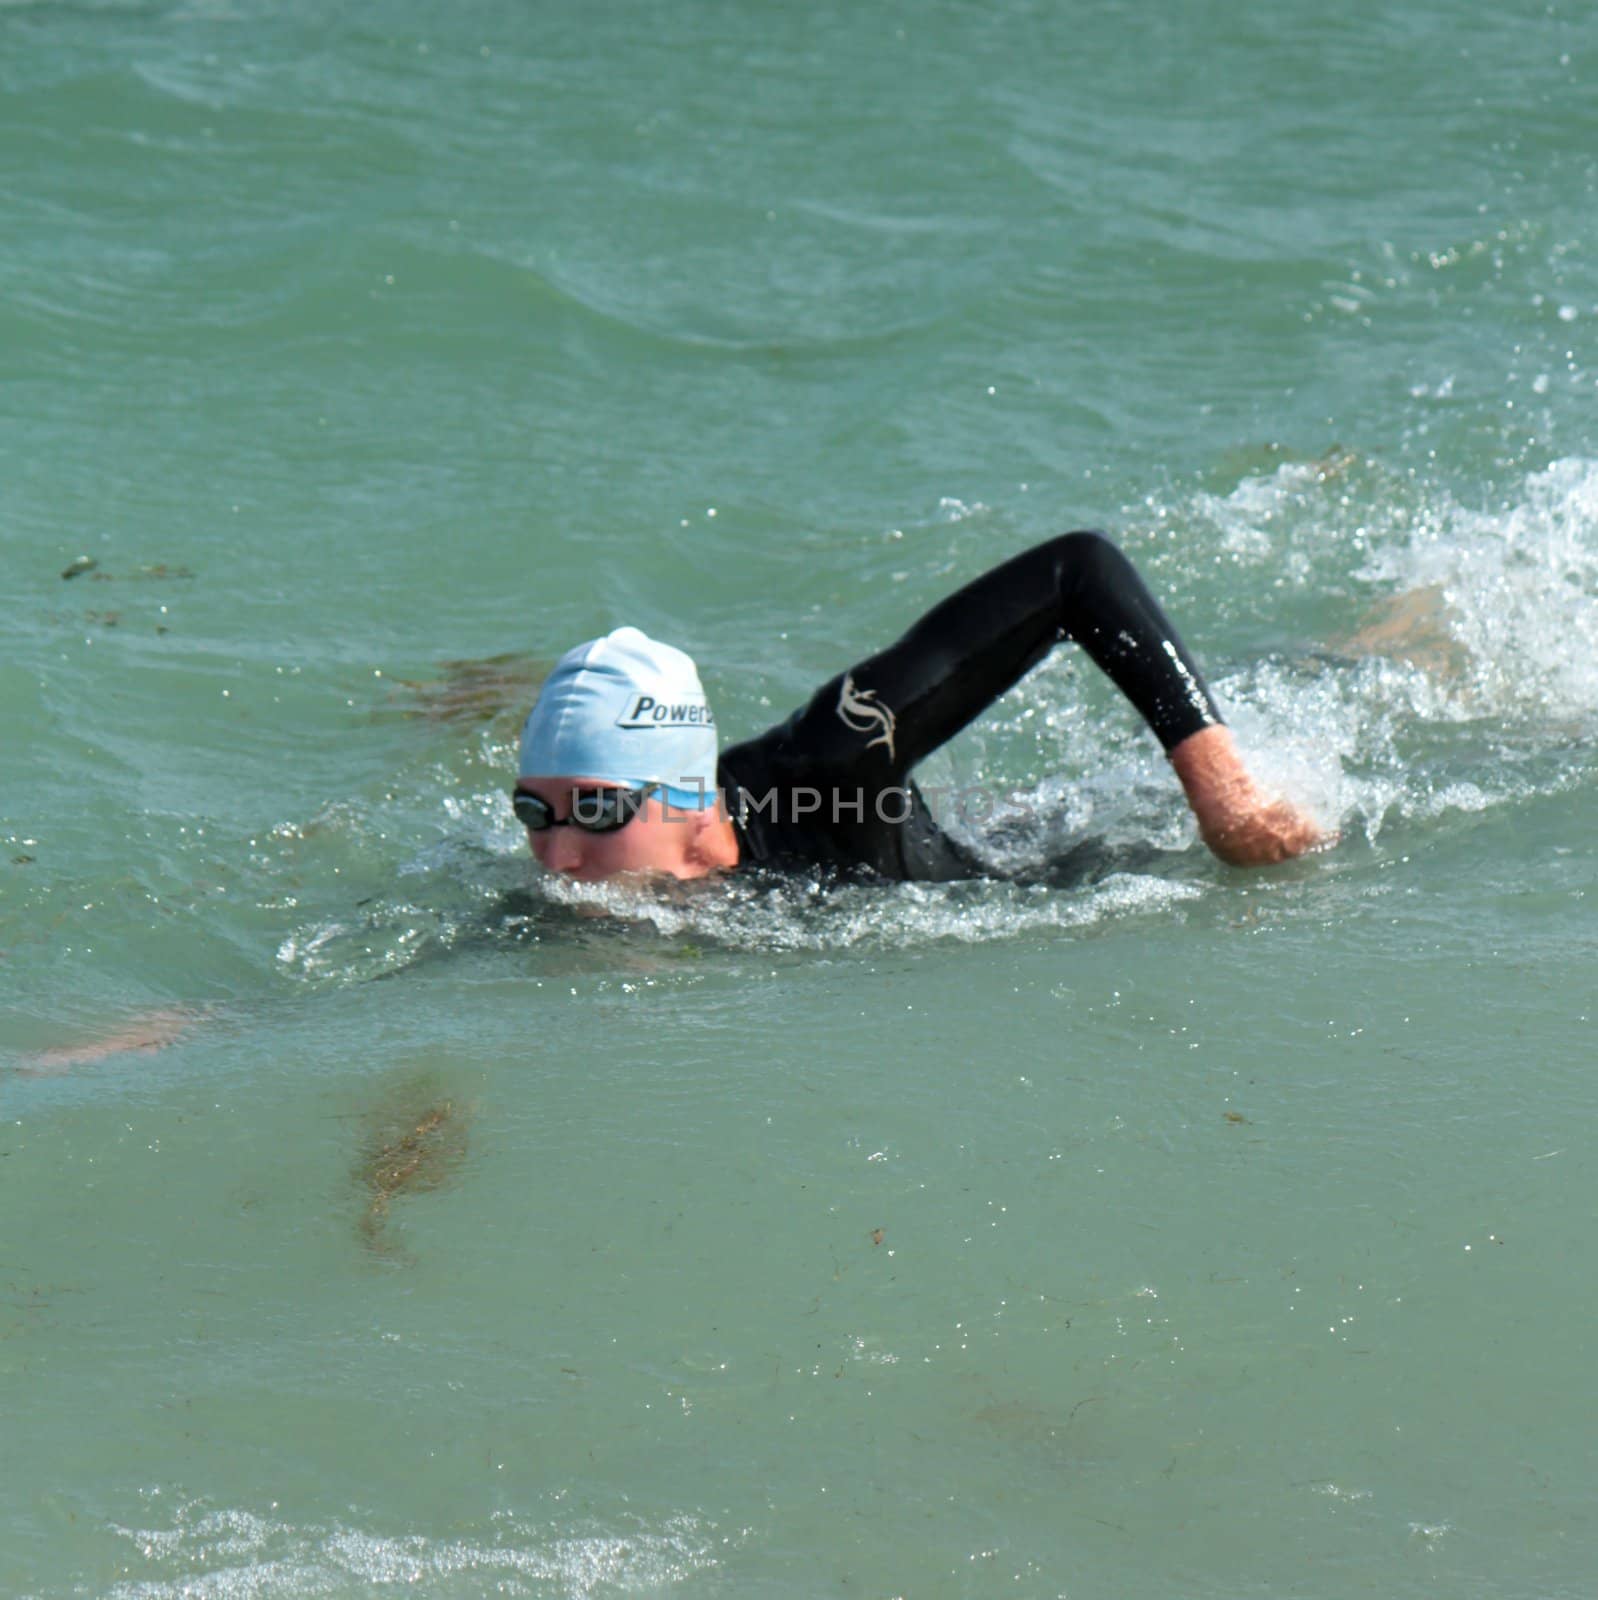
967, 651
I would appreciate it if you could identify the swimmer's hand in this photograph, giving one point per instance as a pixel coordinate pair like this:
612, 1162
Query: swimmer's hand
1240, 824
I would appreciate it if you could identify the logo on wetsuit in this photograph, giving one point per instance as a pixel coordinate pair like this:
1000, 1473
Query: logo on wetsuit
861, 710
645, 711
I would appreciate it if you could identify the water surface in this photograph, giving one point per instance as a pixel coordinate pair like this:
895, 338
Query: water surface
1178, 1232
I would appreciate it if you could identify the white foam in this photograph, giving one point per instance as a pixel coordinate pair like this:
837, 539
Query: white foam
1506, 675
803, 914
221, 1554
1520, 584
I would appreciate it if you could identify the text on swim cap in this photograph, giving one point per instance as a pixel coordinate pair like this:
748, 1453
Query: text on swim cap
645, 711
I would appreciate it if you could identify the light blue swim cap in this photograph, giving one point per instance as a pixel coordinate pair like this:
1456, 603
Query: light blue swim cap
625, 709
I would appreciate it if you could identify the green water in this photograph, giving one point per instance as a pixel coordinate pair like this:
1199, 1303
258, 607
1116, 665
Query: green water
1188, 1233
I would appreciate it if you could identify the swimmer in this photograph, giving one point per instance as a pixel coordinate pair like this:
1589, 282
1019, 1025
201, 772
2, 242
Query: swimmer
619, 768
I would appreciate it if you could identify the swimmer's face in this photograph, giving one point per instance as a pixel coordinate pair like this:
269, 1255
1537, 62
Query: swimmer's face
658, 839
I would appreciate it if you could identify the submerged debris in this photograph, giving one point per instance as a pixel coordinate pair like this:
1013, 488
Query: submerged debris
483, 689
1334, 463
154, 571
412, 1147
1297, 469
146, 1033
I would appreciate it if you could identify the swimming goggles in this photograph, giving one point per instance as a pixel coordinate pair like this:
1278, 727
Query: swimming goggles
593, 810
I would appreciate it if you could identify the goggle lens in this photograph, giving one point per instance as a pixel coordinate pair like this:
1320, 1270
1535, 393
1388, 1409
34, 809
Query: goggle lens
593, 810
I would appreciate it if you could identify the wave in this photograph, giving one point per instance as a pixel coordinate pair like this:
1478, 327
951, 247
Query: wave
220, 1554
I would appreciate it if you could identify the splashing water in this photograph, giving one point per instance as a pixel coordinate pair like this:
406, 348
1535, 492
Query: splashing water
1472, 688
1474, 677
223, 1554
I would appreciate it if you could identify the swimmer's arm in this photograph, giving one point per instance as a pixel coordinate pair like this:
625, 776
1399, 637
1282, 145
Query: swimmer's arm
1240, 823
969, 649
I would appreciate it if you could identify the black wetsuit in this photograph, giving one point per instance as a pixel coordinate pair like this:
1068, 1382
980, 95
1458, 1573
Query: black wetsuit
830, 786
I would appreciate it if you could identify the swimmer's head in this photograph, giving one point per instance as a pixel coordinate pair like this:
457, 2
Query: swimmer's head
625, 709
623, 712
